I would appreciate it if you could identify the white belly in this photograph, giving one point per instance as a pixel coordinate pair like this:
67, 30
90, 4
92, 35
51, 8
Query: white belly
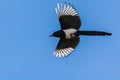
68, 32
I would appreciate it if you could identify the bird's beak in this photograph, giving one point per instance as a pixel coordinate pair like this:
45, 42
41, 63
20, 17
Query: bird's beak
50, 35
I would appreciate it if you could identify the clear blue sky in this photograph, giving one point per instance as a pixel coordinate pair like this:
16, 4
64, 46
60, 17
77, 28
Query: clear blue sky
26, 50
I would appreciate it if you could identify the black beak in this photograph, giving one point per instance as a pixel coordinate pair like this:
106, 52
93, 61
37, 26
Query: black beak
50, 35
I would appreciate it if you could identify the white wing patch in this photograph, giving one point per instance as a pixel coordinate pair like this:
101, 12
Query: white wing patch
64, 9
63, 52
68, 32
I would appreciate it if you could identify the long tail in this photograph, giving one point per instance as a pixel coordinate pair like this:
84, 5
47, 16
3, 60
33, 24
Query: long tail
94, 33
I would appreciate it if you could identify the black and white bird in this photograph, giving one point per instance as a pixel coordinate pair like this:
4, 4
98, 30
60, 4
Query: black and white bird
69, 34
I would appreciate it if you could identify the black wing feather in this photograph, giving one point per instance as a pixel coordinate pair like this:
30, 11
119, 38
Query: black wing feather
66, 43
68, 21
68, 16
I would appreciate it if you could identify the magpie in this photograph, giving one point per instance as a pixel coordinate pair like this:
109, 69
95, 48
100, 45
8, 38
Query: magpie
70, 23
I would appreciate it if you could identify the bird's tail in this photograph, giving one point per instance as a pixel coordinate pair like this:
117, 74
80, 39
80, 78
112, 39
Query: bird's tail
94, 33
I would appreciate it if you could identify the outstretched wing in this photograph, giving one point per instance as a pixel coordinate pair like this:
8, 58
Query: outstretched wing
66, 46
68, 16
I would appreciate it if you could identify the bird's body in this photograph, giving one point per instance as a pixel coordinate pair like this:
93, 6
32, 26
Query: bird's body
69, 34
66, 33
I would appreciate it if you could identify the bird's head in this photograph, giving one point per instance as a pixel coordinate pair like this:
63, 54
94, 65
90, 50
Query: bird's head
59, 34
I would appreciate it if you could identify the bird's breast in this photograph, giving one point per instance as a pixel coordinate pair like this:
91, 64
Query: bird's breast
68, 32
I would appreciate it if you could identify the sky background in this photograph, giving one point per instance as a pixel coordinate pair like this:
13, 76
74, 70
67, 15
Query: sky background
26, 50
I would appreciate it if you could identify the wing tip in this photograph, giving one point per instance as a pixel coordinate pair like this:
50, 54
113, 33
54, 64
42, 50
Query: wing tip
65, 9
62, 53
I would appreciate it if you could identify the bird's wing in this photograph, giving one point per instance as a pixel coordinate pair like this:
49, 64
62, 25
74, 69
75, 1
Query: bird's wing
68, 16
66, 46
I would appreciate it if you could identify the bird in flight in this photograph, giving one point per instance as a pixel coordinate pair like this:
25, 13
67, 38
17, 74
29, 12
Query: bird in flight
69, 34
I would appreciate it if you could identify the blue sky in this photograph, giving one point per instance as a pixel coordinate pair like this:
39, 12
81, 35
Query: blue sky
26, 50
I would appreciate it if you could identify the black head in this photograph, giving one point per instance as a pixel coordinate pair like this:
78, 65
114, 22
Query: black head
59, 34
